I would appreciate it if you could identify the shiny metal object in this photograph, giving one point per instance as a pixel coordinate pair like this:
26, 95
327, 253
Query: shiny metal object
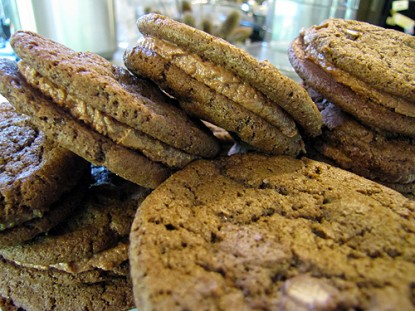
83, 25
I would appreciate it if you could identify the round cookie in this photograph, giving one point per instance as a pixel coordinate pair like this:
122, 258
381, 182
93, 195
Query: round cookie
116, 119
202, 101
102, 222
381, 58
83, 263
92, 79
261, 75
375, 155
370, 103
258, 232
40, 182
75, 136
58, 212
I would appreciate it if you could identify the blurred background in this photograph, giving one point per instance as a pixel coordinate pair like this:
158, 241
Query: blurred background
262, 27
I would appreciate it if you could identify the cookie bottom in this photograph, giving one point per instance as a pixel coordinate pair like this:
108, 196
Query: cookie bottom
32, 289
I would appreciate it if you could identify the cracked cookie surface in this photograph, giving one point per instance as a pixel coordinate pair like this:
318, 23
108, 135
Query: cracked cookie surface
35, 174
255, 232
82, 264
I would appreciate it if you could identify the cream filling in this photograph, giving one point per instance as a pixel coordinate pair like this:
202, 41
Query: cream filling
399, 105
223, 82
106, 260
105, 125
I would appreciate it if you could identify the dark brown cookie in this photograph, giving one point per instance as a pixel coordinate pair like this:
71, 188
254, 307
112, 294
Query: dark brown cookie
76, 136
375, 155
82, 264
102, 222
370, 105
202, 101
261, 75
256, 232
89, 78
40, 182
57, 212
33, 289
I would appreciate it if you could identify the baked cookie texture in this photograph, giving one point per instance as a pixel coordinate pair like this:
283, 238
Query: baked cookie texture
368, 73
115, 114
40, 182
219, 83
256, 232
82, 264
375, 155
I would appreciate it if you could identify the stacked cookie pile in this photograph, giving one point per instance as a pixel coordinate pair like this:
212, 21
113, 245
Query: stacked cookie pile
64, 239
222, 84
167, 221
80, 264
41, 183
363, 78
63, 234
102, 112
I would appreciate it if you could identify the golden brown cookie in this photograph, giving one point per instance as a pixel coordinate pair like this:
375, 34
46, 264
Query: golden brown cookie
222, 84
366, 58
76, 136
253, 231
130, 114
369, 78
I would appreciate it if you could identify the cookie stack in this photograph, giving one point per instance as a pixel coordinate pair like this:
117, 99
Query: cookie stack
102, 112
81, 264
64, 242
363, 77
64, 236
40, 183
222, 84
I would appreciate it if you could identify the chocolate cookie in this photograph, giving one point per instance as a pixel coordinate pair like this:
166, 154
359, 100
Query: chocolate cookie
83, 263
101, 223
259, 232
40, 182
222, 84
375, 155
262, 75
79, 138
368, 77
32, 289
200, 100
366, 58
132, 117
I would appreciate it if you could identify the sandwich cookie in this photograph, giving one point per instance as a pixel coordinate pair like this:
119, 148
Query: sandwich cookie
40, 183
381, 156
272, 232
366, 70
83, 263
118, 120
363, 78
224, 85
